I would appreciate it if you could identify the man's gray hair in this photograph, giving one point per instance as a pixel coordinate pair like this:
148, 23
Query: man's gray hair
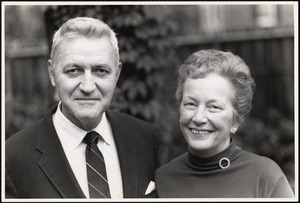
84, 27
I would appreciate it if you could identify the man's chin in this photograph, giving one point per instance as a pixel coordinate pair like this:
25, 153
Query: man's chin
87, 116
89, 120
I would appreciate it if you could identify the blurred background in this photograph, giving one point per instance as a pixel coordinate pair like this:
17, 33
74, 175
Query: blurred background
154, 40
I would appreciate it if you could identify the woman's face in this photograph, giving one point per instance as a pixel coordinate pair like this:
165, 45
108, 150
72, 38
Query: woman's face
206, 114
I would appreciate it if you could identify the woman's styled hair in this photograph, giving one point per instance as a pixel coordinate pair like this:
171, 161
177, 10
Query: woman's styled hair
83, 27
226, 64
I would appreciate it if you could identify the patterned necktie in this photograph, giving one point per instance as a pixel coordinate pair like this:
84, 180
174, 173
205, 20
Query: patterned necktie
96, 172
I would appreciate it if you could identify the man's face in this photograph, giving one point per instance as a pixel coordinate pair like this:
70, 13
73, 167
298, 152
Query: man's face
85, 76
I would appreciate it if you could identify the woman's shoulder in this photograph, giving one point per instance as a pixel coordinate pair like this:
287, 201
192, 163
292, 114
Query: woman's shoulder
174, 164
262, 164
267, 172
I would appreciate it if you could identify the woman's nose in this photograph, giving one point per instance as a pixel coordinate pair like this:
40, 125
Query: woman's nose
200, 116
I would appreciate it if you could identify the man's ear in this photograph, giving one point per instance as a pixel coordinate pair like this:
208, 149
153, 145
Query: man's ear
119, 68
51, 72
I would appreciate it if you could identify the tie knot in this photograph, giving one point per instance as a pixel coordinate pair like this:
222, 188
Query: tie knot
91, 137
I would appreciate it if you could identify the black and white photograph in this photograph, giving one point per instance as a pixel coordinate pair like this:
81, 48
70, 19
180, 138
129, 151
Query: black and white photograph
155, 101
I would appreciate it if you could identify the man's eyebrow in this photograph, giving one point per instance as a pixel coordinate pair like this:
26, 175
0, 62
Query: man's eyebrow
101, 65
96, 65
72, 65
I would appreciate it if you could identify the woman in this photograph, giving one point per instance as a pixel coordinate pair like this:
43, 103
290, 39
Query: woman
215, 93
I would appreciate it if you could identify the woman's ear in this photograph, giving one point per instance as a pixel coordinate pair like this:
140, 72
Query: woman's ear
234, 128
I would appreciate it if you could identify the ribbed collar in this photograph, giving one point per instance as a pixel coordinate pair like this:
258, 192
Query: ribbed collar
212, 163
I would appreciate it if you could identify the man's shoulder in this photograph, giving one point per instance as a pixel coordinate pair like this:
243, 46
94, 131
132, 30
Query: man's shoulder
28, 133
141, 131
119, 117
24, 136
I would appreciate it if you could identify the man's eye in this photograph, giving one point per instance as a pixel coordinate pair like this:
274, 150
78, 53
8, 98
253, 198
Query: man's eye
101, 71
189, 104
73, 71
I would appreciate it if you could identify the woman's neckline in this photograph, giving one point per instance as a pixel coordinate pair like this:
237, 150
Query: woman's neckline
213, 162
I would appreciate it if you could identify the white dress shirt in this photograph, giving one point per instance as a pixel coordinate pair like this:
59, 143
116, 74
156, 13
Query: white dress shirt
71, 138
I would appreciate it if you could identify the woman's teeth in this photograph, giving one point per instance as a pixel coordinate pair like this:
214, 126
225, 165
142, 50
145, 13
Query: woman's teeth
200, 132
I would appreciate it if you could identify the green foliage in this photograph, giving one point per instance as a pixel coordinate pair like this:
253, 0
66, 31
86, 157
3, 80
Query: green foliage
145, 88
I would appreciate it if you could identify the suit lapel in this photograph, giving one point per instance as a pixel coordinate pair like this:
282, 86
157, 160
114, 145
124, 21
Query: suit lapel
54, 162
127, 154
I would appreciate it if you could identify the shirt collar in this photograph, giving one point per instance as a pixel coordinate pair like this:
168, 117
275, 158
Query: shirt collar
103, 129
73, 135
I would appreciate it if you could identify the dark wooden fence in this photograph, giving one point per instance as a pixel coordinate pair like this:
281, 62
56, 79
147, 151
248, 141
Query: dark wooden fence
28, 92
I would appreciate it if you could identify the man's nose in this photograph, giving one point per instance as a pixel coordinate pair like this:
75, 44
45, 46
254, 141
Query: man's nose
87, 84
200, 116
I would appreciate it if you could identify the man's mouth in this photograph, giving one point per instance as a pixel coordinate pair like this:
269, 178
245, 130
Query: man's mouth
87, 99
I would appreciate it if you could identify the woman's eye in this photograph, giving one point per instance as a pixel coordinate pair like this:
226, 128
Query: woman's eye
215, 108
189, 104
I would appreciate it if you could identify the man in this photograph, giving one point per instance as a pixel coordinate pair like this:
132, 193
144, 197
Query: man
49, 159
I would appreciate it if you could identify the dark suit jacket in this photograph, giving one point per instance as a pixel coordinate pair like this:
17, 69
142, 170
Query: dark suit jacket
36, 165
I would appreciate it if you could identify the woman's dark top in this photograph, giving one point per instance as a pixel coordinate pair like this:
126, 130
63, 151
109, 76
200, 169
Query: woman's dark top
248, 176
